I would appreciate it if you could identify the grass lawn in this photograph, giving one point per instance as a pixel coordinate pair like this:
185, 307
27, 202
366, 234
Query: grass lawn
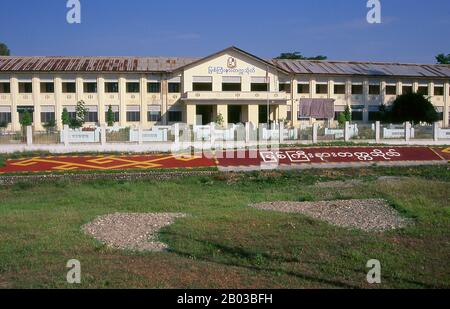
223, 243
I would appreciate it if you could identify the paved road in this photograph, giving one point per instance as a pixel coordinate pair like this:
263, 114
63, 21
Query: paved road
302, 157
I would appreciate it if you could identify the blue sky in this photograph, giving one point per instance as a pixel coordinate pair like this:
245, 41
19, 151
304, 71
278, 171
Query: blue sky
411, 31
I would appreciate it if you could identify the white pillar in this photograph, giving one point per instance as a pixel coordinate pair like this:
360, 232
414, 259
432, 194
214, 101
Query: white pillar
407, 131
315, 129
436, 131
377, 131
103, 134
212, 131
247, 132
66, 135
347, 131
140, 133
281, 132
29, 135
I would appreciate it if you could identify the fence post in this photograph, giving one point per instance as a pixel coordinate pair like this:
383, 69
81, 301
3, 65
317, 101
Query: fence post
212, 131
315, 129
103, 135
407, 131
347, 131
377, 131
29, 131
140, 133
247, 132
66, 135
281, 132
436, 131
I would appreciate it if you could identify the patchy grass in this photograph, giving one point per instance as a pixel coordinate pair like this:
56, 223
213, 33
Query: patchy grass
224, 243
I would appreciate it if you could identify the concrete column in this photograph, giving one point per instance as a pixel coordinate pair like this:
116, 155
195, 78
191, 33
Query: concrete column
253, 114
315, 131
103, 134
223, 109
164, 99
58, 105
101, 100
66, 135
144, 107
365, 101
191, 114
79, 89
36, 102
281, 133
123, 106
29, 131
436, 131
407, 131
377, 131
347, 131
247, 132
140, 137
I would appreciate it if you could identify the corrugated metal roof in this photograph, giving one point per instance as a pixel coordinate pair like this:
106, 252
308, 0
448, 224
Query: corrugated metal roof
92, 64
169, 64
363, 68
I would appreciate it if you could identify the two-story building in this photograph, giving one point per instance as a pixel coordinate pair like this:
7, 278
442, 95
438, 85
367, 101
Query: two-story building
232, 85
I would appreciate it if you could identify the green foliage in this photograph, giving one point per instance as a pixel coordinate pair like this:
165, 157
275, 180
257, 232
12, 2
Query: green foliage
4, 50
110, 117
81, 113
342, 119
299, 56
348, 114
414, 108
26, 119
65, 117
220, 120
443, 59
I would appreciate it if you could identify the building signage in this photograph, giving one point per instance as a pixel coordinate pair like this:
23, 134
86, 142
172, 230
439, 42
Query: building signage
232, 68
23, 109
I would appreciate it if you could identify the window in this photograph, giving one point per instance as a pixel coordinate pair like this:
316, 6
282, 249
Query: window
321, 88
133, 87
259, 84
90, 87
47, 117
111, 87
92, 115
407, 89
231, 87
422, 90
154, 87
286, 87
5, 117
438, 90
303, 88
154, 113
357, 113
357, 89
133, 113
174, 87
374, 89
69, 87
202, 86
339, 89
25, 87
175, 116
47, 87
391, 90
115, 110
5, 88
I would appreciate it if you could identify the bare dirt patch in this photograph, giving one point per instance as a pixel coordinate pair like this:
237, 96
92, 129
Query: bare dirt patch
372, 215
131, 231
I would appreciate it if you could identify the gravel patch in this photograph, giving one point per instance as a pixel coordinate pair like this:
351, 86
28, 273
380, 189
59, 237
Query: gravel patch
131, 231
373, 215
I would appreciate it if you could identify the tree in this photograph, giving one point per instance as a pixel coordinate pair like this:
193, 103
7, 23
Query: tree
65, 117
348, 114
341, 119
80, 115
219, 120
443, 59
110, 119
299, 56
414, 108
26, 119
50, 125
4, 50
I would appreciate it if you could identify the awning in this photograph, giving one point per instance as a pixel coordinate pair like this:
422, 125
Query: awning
316, 108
